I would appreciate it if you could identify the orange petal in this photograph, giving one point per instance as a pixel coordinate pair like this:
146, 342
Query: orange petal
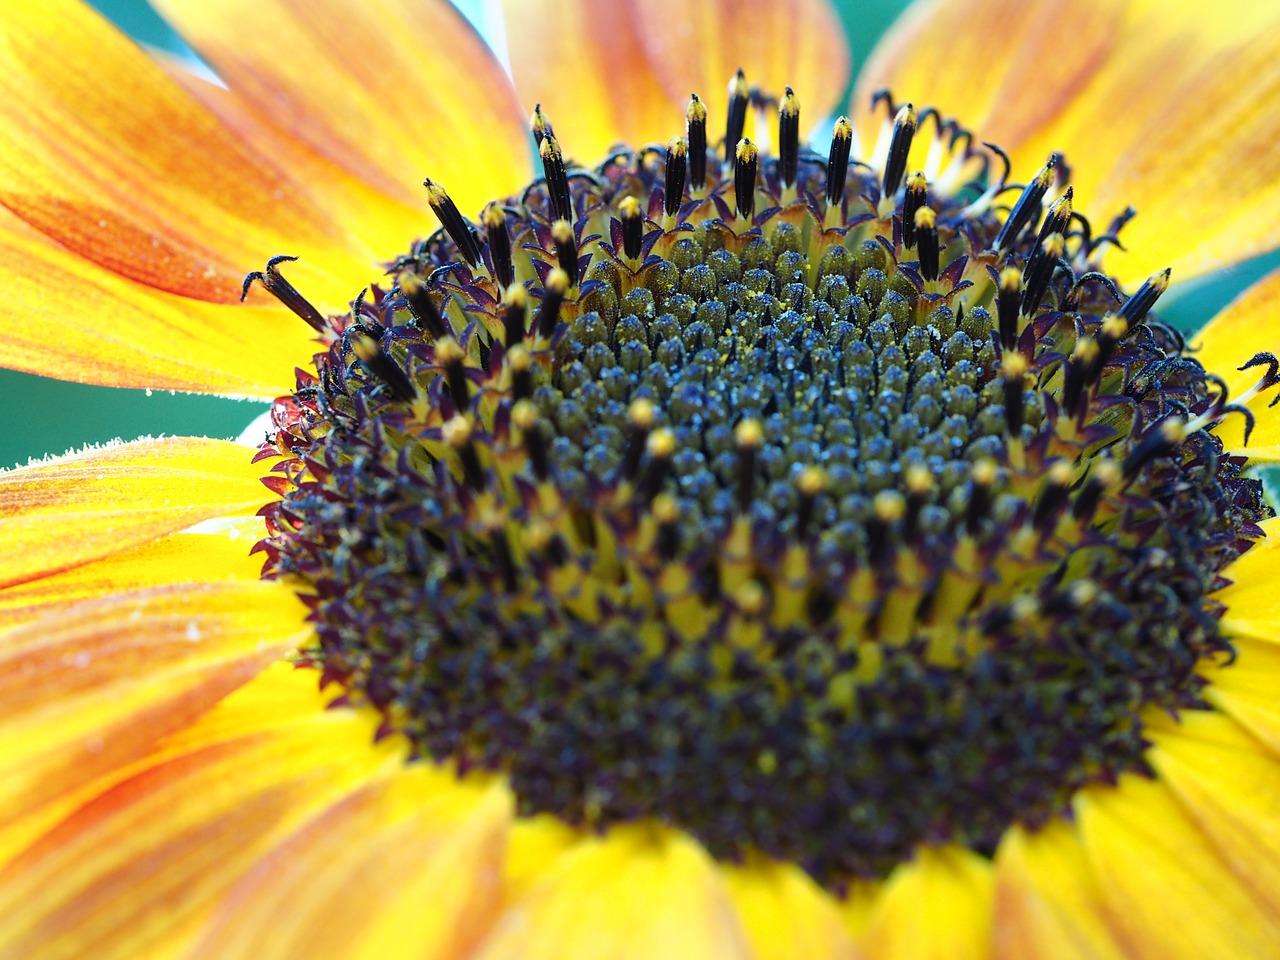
61, 513
1192, 155
785, 914
634, 894
425, 848
1230, 787
1166, 886
121, 333
1048, 905
158, 849
91, 685
700, 46
181, 558
937, 906
389, 90
103, 152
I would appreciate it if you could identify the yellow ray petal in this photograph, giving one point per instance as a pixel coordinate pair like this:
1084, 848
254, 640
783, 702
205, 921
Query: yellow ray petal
1047, 904
1246, 690
1253, 608
61, 513
95, 682
389, 90
937, 906
103, 152
136, 864
699, 47
127, 334
785, 914
638, 892
1244, 327
181, 558
1191, 154
1165, 884
1230, 786
422, 846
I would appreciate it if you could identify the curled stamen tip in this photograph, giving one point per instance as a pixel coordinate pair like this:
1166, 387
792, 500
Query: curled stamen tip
248, 282
278, 259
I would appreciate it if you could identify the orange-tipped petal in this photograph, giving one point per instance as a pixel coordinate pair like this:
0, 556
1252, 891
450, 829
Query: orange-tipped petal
90, 686
1193, 154
1166, 886
389, 90
633, 894
105, 153
785, 914
177, 559
937, 906
154, 851
1048, 905
114, 331
698, 47
61, 513
1245, 327
424, 848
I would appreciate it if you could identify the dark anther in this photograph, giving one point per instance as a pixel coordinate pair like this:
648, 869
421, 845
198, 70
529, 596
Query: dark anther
632, 227
810, 482
495, 228
641, 416
887, 508
1013, 370
557, 180
525, 416
1053, 497
1058, 219
982, 477
1081, 369
453, 222
749, 437
1163, 438
788, 139
513, 315
521, 363
661, 447
916, 196
378, 365
1140, 304
1041, 266
838, 161
457, 434
677, 161
667, 512
696, 131
566, 249
284, 291
895, 165
919, 484
556, 287
1104, 475
423, 311
451, 358
1008, 297
927, 242
746, 164
736, 119
503, 559
1027, 207
540, 125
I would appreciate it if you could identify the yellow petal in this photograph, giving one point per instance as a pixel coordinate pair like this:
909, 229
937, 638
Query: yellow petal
1246, 690
61, 513
181, 558
389, 90
410, 859
1166, 886
123, 333
94, 683
100, 150
1253, 607
785, 914
1230, 786
1048, 905
137, 863
1244, 327
637, 892
938, 905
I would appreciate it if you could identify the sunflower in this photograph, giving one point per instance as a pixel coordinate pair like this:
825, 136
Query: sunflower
704, 544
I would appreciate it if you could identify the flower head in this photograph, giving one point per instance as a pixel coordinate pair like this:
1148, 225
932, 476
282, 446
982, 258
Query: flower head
725, 538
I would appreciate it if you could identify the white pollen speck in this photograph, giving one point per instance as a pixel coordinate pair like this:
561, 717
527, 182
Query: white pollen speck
81, 660
193, 632
148, 391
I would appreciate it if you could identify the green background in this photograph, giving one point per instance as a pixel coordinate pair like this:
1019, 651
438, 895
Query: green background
44, 416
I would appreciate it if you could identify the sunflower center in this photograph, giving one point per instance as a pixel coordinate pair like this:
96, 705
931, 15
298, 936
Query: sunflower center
811, 508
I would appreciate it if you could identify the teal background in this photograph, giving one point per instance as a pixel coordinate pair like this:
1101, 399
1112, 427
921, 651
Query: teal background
42, 416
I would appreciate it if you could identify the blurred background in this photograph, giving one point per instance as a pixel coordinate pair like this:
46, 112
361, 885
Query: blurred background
49, 417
